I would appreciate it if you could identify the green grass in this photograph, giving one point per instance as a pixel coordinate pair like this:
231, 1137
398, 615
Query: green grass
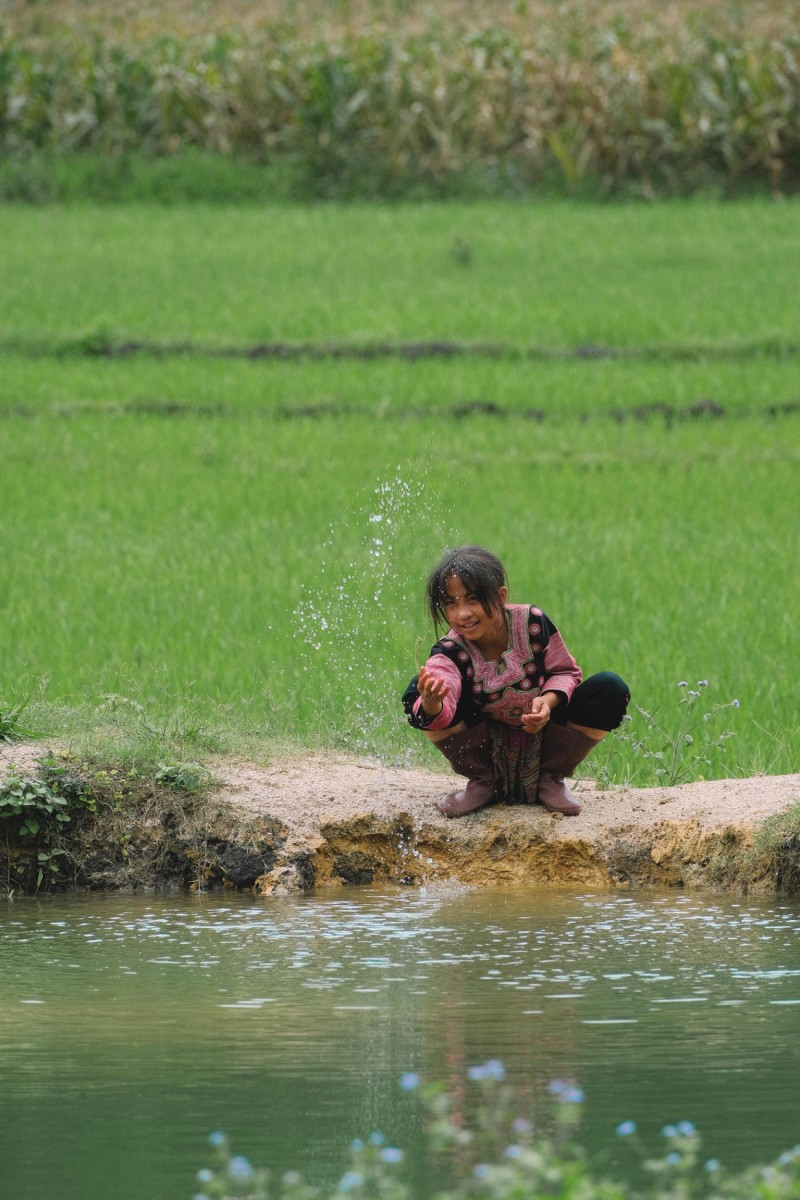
605, 390
219, 565
549, 275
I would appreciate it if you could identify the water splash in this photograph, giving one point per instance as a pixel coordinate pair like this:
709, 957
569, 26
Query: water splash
359, 622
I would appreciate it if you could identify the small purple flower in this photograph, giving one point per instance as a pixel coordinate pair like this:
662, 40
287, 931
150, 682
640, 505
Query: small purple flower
409, 1081
686, 1129
712, 1165
683, 683
476, 1073
693, 693
573, 1095
240, 1168
204, 1175
481, 1171
392, 1155
217, 1139
522, 1125
513, 1151
357, 1145
702, 683
735, 704
626, 1128
674, 1158
376, 1138
669, 1131
557, 1087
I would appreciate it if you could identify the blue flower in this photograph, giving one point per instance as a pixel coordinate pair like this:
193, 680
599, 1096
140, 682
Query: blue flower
735, 704
573, 1095
626, 1128
557, 1087
702, 683
376, 1139
686, 1129
669, 1131
713, 1164
204, 1175
674, 1158
522, 1125
217, 1139
683, 683
240, 1168
481, 1171
350, 1180
409, 1081
392, 1155
357, 1145
513, 1151
494, 1069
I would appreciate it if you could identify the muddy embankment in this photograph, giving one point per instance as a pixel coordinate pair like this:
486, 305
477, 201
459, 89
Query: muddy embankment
323, 821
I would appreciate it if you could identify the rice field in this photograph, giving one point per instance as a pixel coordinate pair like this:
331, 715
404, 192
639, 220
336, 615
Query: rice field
208, 539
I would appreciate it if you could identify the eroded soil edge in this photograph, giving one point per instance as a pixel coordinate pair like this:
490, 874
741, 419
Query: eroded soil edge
324, 821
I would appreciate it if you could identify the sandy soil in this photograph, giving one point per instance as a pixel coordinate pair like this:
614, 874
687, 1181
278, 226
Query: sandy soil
324, 788
344, 819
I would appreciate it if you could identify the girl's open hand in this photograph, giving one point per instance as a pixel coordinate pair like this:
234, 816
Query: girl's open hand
538, 716
432, 691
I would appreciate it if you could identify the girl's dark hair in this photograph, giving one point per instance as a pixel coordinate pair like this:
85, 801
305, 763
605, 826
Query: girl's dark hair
481, 572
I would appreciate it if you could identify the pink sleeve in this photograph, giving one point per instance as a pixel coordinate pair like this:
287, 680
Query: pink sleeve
441, 667
562, 672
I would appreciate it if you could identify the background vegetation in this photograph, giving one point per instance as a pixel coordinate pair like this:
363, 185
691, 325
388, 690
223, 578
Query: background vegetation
398, 99
238, 431
234, 440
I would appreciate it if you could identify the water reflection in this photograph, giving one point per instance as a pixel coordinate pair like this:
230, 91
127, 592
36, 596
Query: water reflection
130, 1028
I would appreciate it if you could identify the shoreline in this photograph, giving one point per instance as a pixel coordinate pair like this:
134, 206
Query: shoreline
323, 821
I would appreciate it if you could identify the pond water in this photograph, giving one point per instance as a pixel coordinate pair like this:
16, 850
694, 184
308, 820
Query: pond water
132, 1027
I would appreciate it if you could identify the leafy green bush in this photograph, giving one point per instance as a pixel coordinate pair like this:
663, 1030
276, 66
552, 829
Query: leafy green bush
36, 807
497, 1153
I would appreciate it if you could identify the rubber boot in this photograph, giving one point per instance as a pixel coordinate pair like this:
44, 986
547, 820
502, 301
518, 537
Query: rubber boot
562, 750
469, 753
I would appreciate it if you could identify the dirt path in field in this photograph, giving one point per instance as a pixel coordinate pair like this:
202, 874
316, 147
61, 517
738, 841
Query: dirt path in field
324, 820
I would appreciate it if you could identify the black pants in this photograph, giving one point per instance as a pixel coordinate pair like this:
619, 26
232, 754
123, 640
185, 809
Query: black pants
599, 702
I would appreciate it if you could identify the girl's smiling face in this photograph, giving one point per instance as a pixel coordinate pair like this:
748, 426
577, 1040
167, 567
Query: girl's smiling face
466, 614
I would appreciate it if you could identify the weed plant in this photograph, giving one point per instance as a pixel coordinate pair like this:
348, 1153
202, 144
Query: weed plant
668, 756
499, 1150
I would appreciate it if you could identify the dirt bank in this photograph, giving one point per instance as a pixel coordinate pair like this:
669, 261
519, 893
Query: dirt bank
327, 820
357, 821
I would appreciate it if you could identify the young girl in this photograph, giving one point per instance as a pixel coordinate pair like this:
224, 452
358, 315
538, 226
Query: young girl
501, 695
